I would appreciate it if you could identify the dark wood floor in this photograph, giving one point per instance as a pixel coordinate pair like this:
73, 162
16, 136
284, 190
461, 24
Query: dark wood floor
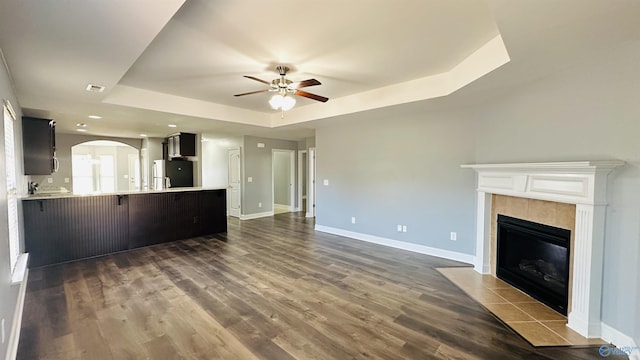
271, 288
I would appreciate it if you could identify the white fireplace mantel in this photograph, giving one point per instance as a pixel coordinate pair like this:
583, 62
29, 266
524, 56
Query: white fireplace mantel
583, 183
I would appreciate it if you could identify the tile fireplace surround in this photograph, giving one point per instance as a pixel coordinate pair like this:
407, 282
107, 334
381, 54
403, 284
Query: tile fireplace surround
583, 184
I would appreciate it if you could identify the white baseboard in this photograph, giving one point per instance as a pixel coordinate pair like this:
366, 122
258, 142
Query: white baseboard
256, 215
282, 207
622, 341
309, 215
447, 254
14, 337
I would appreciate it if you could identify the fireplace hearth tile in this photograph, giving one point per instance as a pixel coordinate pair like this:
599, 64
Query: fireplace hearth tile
513, 295
540, 312
534, 321
538, 334
508, 312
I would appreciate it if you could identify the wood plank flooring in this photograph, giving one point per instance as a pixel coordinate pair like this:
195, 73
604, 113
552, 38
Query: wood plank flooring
270, 288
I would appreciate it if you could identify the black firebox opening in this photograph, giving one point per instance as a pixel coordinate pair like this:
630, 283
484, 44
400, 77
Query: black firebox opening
535, 259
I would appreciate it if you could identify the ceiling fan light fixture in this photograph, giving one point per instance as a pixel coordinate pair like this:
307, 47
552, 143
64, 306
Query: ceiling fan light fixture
276, 101
288, 102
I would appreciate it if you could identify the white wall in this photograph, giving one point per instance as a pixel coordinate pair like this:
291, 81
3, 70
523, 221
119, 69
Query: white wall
8, 292
215, 158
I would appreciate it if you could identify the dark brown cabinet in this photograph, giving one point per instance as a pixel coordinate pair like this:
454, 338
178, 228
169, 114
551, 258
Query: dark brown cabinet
149, 221
66, 229
61, 230
181, 144
39, 146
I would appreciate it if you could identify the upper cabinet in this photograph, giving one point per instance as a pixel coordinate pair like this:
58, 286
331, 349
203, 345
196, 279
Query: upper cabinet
39, 146
181, 144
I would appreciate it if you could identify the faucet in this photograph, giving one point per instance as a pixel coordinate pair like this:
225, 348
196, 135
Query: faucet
32, 187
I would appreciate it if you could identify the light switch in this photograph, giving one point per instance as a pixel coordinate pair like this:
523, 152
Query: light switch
325, 182
50, 180
249, 179
260, 145
66, 180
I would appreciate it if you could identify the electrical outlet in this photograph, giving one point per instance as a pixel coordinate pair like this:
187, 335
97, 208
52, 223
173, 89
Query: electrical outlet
249, 179
453, 236
50, 180
259, 204
399, 228
353, 219
325, 182
66, 180
404, 228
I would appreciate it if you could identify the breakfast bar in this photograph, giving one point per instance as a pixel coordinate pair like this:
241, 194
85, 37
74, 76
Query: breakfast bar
66, 227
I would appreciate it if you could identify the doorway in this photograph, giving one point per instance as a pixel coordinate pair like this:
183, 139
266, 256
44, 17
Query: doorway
283, 180
234, 191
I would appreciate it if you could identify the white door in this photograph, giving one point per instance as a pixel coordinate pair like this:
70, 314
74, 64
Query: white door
234, 193
311, 189
134, 172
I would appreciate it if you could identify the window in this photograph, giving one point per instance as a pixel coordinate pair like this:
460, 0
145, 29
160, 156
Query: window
12, 199
82, 174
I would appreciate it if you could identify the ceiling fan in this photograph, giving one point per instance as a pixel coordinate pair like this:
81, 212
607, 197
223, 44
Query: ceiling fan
283, 88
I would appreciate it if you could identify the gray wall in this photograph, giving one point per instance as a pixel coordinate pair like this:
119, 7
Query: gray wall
398, 166
281, 178
401, 165
258, 165
8, 292
64, 142
589, 112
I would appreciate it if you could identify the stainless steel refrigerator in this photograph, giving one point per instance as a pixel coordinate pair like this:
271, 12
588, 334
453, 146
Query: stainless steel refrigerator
172, 173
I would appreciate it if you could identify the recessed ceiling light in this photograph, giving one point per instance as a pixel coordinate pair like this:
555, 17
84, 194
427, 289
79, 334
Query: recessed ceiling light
81, 125
143, 135
172, 125
94, 88
81, 130
95, 117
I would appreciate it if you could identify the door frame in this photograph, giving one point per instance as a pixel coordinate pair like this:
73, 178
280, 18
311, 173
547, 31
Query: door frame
311, 186
301, 171
239, 150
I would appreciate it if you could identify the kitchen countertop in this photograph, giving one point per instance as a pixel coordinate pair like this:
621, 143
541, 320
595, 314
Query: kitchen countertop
44, 196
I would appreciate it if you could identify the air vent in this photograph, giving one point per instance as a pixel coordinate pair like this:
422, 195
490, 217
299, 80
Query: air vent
95, 88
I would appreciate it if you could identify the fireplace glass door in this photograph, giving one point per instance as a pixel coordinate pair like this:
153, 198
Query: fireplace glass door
535, 259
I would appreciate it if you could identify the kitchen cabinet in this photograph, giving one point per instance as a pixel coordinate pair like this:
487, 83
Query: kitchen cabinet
76, 227
213, 212
181, 144
39, 146
61, 230
149, 221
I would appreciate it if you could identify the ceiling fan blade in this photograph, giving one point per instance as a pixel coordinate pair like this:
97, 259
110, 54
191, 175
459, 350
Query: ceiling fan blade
252, 92
256, 79
305, 83
310, 95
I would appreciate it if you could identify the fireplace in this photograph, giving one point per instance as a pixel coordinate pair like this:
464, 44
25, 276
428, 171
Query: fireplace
581, 183
534, 258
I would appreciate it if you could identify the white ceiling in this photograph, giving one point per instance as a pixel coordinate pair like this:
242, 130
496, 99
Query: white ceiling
176, 61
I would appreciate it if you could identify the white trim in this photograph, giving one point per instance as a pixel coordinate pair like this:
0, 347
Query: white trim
282, 207
256, 215
421, 249
620, 340
14, 337
20, 270
300, 176
308, 214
